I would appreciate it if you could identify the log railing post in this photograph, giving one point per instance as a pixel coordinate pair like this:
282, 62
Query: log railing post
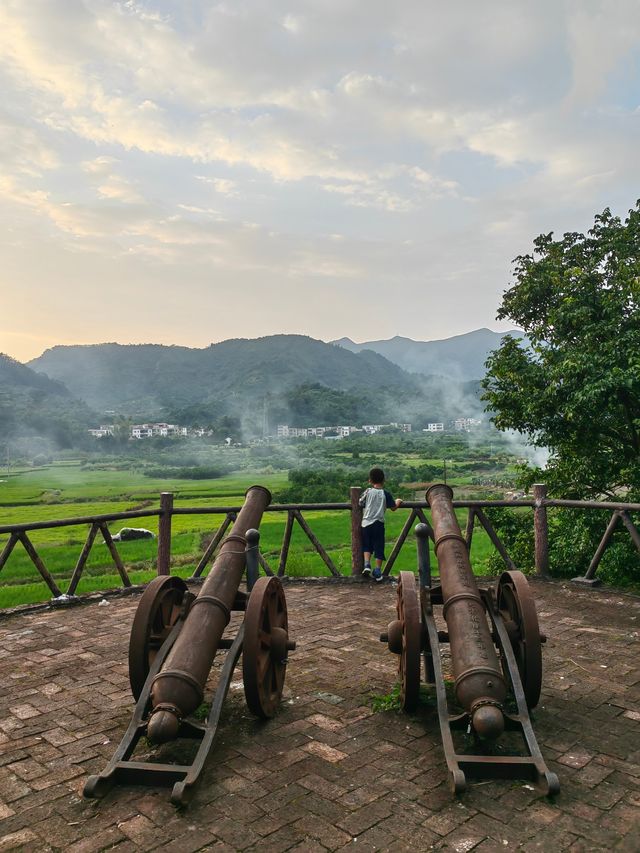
468, 533
164, 534
633, 530
491, 533
40, 566
357, 556
211, 548
399, 543
82, 559
595, 560
286, 542
115, 556
541, 530
311, 536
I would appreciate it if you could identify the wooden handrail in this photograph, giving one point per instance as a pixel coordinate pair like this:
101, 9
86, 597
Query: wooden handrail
540, 503
224, 510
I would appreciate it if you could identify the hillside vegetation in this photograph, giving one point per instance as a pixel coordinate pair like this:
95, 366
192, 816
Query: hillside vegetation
239, 387
152, 378
37, 412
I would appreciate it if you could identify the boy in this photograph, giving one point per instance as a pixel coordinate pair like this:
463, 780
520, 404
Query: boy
375, 500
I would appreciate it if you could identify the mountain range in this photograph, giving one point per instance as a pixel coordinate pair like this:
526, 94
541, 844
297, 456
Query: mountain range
151, 378
461, 357
295, 377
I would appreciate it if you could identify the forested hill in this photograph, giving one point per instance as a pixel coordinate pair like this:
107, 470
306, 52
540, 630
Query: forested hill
462, 357
34, 405
154, 378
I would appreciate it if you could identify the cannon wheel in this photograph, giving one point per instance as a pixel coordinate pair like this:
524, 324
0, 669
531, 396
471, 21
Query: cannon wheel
264, 652
157, 613
408, 610
518, 609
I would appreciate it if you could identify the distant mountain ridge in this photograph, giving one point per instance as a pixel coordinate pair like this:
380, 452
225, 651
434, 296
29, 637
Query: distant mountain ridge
33, 405
461, 357
151, 378
20, 377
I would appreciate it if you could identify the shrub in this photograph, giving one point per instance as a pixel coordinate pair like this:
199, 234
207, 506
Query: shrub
199, 472
574, 536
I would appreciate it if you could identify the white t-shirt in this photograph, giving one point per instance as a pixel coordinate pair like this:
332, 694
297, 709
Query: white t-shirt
375, 501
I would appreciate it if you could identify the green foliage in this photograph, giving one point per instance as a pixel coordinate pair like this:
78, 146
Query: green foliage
202, 711
312, 404
573, 538
308, 485
574, 387
316, 486
37, 414
387, 701
515, 529
200, 472
41, 459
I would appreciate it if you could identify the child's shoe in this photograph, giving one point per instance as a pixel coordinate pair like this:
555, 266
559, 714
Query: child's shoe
367, 570
377, 575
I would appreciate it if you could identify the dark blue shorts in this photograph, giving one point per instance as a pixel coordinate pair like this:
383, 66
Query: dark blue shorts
373, 539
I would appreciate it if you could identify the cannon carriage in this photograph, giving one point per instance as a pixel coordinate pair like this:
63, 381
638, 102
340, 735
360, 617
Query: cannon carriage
495, 649
174, 638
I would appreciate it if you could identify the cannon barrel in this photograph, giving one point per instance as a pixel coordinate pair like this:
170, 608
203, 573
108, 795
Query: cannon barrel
178, 689
479, 684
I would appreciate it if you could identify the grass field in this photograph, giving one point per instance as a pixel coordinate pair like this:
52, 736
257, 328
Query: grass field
68, 490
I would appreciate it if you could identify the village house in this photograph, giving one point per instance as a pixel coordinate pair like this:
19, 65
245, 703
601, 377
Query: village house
157, 430
104, 429
466, 424
340, 431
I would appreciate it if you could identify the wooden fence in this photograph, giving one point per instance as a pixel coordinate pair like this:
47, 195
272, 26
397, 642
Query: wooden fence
476, 513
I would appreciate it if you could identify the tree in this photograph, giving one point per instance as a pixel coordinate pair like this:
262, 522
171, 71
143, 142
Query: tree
573, 384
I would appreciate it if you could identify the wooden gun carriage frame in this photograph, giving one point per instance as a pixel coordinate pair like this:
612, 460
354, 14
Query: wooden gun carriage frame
513, 630
165, 611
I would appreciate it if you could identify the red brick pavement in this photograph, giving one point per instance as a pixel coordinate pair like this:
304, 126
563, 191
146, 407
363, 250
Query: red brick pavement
327, 773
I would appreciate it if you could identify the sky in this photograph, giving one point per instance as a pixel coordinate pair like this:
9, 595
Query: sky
187, 172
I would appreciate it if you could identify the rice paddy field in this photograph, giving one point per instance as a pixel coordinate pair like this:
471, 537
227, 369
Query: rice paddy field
69, 490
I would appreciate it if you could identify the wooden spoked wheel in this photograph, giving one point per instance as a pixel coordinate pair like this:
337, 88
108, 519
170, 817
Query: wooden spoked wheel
408, 610
518, 610
157, 613
265, 647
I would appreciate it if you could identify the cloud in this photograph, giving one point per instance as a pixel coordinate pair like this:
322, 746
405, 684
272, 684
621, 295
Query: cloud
22, 150
224, 186
404, 149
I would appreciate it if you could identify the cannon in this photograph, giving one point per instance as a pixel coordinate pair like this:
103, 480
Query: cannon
495, 657
174, 638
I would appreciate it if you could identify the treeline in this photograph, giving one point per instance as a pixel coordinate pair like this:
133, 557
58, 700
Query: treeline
200, 472
572, 385
332, 486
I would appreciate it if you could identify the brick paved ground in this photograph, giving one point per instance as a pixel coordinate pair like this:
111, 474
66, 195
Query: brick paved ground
327, 773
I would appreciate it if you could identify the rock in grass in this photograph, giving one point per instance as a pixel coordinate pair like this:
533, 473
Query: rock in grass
126, 534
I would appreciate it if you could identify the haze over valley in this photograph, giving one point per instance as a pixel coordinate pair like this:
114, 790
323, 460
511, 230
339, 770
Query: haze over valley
250, 385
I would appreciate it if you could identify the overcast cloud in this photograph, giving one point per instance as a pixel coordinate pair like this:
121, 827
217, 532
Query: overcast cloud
189, 172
